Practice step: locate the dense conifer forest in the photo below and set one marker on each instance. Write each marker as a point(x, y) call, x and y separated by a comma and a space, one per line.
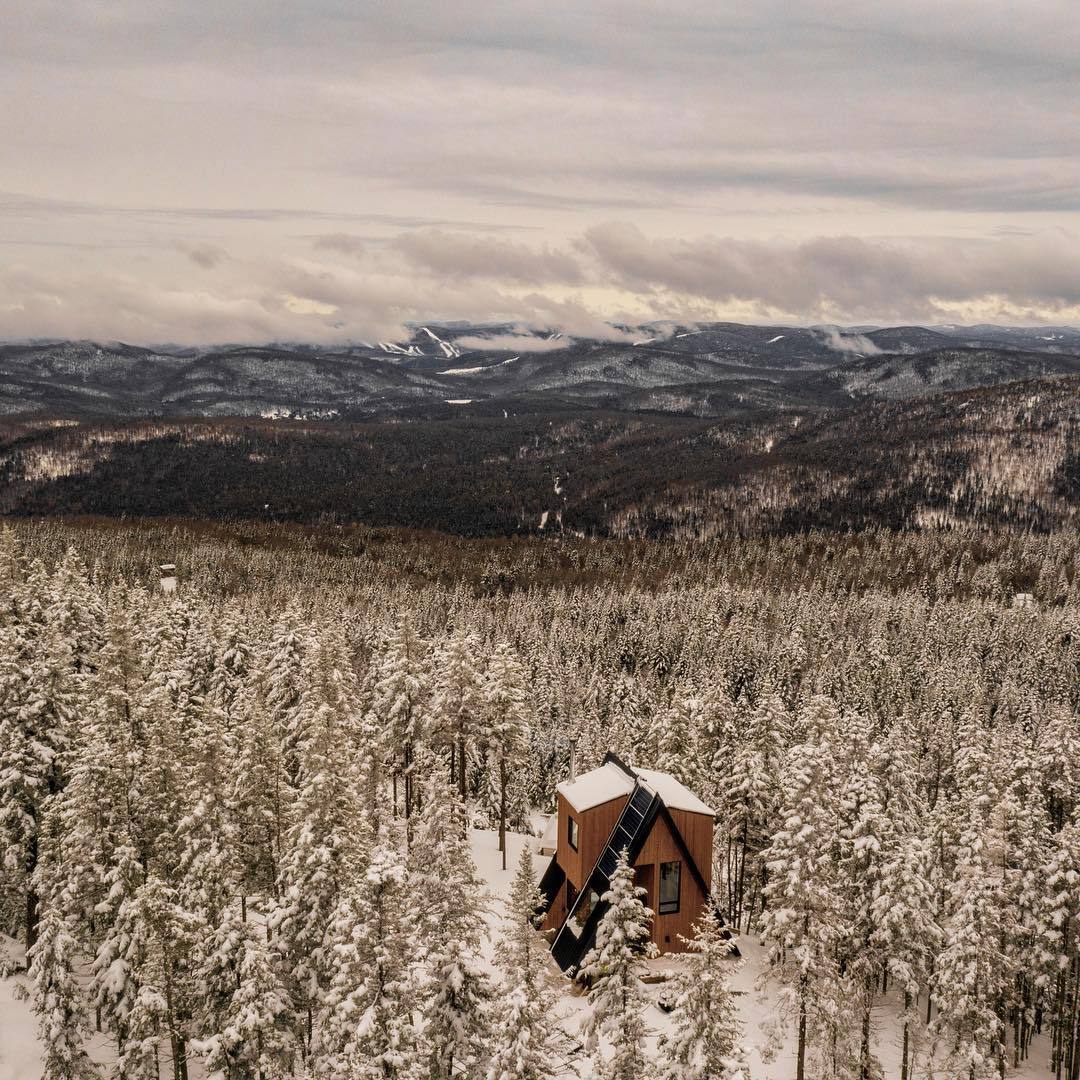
point(998, 455)
point(233, 817)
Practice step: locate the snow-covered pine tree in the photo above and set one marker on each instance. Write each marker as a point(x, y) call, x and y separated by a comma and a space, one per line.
point(455, 990)
point(612, 970)
point(506, 734)
point(323, 848)
point(367, 1027)
point(457, 702)
point(57, 998)
point(280, 674)
point(972, 972)
point(260, 796)
point(458, 1011)
point(442, 874)
point(527, 1039)
point(254, 1035)
point(1059, 949)
point(745, 782)
point(864, 834)
point(400, 703)
point(676, 731)
point(802, 920)
point(143, 974)
point(705, 1042)
point(38, 706)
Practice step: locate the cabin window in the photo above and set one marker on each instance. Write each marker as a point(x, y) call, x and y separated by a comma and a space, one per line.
point(670, 880)
point(572, 833)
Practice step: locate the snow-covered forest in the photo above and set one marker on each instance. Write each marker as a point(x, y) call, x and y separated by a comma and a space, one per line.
point(235, 819)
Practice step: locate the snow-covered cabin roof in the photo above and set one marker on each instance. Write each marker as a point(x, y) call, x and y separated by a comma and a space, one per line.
point(596, 786)
point(676, 796)
point(611, 781)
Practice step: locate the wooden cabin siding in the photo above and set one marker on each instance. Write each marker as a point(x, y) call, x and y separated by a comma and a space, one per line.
point(595, 827)
point(697, 832)
point(660, 847)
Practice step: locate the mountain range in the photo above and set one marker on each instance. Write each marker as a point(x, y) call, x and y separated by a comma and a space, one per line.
point(696, 431)
point(715, 370)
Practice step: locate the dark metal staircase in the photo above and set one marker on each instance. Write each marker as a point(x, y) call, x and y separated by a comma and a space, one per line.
point(578, 933)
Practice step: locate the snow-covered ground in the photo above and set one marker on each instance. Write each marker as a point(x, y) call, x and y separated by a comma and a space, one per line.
point(756, 1004)
point(20, 1050)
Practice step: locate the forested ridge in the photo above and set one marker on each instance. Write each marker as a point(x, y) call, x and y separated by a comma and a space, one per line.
point(995, 456)
point(232, 817)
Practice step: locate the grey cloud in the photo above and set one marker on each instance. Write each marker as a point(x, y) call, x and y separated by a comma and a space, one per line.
point(524, 343)
point(205, 255)
point(626, 277)
point(846, 276)
point(455, 256)
point(848, 343)
point(759, 151)
point(342, 243)
point(18, 204)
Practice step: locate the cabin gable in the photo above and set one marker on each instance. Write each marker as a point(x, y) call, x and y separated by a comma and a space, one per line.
point(662, 848)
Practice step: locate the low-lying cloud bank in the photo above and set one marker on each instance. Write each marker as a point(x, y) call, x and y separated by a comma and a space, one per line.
point(337, 288)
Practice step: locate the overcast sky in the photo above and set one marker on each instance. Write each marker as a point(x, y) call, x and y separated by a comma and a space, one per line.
point(330, 169)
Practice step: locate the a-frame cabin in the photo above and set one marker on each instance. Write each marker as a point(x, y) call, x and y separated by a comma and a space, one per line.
point(667, 832)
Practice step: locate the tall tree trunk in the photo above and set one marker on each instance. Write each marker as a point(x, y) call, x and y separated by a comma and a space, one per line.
point(904, 1047)
point(181, 1057)
point(31, 917)
point(800, 1067)
point(502, 810)
point(461, 767)
point(864, 1042)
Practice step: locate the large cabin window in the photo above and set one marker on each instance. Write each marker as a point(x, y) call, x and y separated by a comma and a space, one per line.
point(572, 833)
point(670, 880)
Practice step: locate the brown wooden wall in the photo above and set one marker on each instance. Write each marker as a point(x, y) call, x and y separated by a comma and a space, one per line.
point(661, 846)
point(697, 832)
point(595, 827)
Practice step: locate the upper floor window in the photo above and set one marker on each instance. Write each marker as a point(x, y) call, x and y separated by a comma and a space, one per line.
point(670, 882)
point(572, 833)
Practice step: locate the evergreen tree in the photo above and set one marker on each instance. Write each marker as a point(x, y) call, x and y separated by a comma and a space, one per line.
point(527, 1038)
point(58, 1000)
point(802, 921)
point(253, 1037)
point(368, 1028)
point(401, 704)
point(324, 844)
point(458, 702)
point(612, 970)
point(506, 732)
point(448, 929)
point(705, 1041)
